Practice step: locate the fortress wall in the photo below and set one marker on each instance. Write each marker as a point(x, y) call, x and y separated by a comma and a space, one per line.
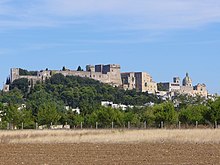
point(114, 73)
point(104, 78)
point(32, 79)
point(109, 74)
point(72, 73)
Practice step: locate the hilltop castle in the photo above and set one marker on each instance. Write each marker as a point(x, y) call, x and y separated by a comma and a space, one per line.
point(111, 74)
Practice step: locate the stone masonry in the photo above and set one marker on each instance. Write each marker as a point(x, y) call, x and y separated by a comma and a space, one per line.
point(109, 74)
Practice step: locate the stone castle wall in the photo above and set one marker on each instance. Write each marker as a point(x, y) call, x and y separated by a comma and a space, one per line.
point(141, 81)
point(109, 74)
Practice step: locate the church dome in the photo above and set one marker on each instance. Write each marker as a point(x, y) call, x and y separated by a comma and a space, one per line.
point(187, 81)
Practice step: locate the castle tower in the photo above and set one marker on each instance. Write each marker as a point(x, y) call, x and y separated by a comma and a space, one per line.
point(176, 80)
point(14, 74)
point(114, 72)
point(99, 68)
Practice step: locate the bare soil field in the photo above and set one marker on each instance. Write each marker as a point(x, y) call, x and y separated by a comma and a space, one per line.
point(110, 147)
point(88, 153)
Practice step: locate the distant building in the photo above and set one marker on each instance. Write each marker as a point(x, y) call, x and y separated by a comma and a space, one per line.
point(128, 80)
point(109, 74)
point(187, 87)
point(140, 81)
point(201, 90)
point(116, 106)
point(76, 110)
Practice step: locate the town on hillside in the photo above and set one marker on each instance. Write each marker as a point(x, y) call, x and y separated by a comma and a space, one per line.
point(111, 74)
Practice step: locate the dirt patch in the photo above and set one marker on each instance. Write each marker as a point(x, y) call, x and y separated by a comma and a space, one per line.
point(86, 153)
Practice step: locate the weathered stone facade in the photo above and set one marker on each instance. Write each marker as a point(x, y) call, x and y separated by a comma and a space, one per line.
point(186, 88)
point(141, 81)
point(200, 89)
point(109, 74)
point(16, 75)
point(128, 80)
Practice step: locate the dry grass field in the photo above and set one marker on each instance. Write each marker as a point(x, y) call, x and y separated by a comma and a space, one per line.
point(110, 147)
point(111, 136)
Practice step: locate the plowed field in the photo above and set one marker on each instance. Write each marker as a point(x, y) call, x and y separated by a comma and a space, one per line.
point(147, 147)
point(87, 153)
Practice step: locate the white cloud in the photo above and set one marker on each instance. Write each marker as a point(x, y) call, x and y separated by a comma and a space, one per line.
point(131, 14)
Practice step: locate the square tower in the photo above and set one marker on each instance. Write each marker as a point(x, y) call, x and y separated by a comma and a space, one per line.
point(98, 68)
point(176, 80)
point(14, 74)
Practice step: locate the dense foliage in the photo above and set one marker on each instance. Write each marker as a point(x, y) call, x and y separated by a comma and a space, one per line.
point(23, 72)
point(52, 101)
point(160, 87)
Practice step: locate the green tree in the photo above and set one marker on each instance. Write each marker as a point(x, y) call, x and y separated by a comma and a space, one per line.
point(64, 68)
point(24, 72)
point(27, 119)
point(12, 115)
point(166, 113)
point(213, 113)
point(77, 120)
point(58, 79)
point(193, 113)
point(8, 81)
point(79, 68)
point(48, 113)
point(148, 116)
point(105, 116)
point(161, 87)
point(21, 84)
point(13, 97)
point(132, 118)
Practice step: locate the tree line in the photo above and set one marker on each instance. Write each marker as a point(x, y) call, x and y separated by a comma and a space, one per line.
point(47, 103)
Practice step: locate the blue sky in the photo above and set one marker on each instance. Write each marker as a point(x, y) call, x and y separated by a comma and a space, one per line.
point(165, 38)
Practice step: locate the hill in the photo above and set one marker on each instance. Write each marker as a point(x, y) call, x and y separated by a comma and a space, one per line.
point(55, 101)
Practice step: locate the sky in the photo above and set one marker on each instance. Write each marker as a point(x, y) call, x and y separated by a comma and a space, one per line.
point(165, 38)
